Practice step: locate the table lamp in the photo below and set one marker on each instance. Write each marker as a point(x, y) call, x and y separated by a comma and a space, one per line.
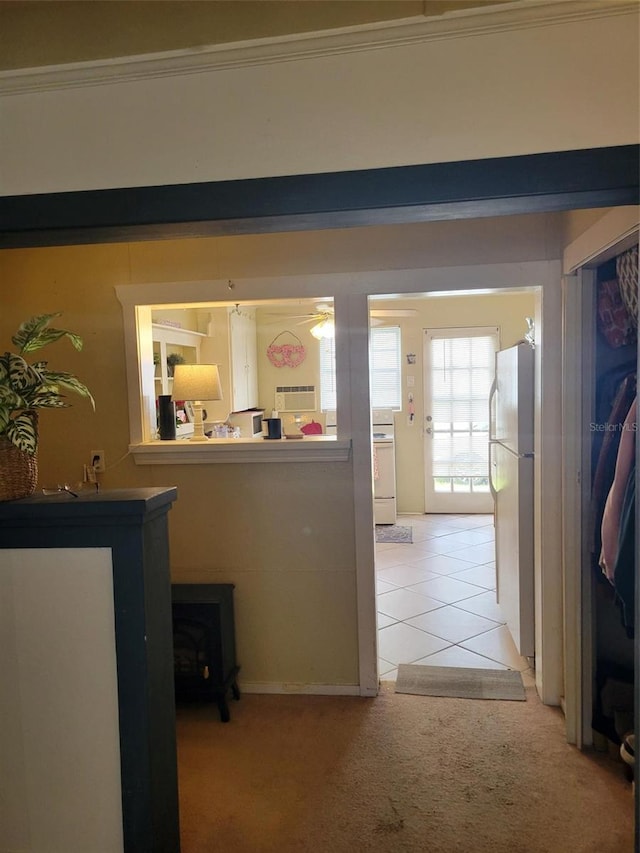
point(196, 382)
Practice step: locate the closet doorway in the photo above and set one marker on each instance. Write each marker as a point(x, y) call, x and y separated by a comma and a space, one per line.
point(599, 359)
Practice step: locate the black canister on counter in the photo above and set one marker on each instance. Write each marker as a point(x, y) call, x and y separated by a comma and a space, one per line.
point(166, 417)
point(274, 427)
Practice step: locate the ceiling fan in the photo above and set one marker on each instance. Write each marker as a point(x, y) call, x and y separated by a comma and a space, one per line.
point(323, 318)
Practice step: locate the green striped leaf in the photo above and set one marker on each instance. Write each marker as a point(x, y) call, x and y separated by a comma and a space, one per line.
point(35, 334)
point(21, 431)
point(66, 380)
point(46, 399)
point(21, 375)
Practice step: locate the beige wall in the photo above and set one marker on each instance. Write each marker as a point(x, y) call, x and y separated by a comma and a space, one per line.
point(37, 33)
point(284, 331)
point(510, 89)
point(284, 536)
point(506, 311)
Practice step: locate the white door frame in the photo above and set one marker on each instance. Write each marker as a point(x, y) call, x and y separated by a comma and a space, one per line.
point(577, 413)
point(545, 276)
point(616, 231)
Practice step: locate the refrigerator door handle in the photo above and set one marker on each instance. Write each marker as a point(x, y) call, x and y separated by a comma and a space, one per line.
point(492, 488)
point(492, 394)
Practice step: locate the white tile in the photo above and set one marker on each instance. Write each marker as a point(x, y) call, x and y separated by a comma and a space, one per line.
point(477, 553)
point(484, 576)
point(440, 528)
point(451, 623)
point(421, 534)
point(384, 546)
point(444, 589)
point(404, 603)
point(498, 646)
point(448, 542)
point(457, 656)
point(387, 669)
point(440, 545)
point(404, 575)
point(477, 521)
point(383, 586)
point(384, 621)
point(424, 548)
point(484, 605)
point(474, 536)
point(440, 564)
point(402, 643)
point(392, 556)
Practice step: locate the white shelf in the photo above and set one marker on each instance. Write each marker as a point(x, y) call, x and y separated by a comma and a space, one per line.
point(174, 335)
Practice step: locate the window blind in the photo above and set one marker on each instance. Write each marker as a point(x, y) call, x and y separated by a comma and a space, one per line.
point(384, 365)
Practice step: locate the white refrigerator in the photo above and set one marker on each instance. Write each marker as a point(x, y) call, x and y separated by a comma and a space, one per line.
point(511, 461)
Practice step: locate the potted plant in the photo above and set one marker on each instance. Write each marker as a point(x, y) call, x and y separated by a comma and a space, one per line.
point(173, 359)
point(25, 388)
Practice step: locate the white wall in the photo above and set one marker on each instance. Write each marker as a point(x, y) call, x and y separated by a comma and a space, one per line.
point(481, 91)
point(59, 739)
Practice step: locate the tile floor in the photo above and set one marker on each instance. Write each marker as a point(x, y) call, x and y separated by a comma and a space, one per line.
point(436, 598)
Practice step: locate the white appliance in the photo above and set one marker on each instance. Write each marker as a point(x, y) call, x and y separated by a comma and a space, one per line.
point(384, 466)
point(249, 422)
point(511, 406)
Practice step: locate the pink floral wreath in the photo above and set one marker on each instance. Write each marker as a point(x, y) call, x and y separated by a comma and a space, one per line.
point(286, 355)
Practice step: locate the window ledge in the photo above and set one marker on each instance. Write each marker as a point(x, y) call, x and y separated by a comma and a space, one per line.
point(183, 452)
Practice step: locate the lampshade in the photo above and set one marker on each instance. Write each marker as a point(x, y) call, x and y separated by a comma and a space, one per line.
point(324, 329)
point(196, 382)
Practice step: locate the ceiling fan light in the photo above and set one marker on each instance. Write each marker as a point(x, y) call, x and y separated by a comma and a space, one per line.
point(324, 329)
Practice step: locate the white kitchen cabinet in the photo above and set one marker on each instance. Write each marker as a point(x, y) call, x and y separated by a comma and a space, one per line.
point(243, 358)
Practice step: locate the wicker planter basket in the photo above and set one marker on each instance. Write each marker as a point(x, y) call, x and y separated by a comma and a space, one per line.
point(18, 472)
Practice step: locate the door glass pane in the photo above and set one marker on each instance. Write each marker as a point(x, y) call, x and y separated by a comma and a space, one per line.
point(442, 484)
point(462, 373)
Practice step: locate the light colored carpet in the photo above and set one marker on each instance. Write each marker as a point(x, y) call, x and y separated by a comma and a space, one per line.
point(459, 682)
point(394, 533)
point(395, 774)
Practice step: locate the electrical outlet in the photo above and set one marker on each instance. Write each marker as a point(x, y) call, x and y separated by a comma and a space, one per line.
point(97, 461)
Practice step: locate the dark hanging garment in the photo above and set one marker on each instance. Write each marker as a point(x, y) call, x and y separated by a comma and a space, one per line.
point(611, 517)
point(625, 563)
point(609, 427)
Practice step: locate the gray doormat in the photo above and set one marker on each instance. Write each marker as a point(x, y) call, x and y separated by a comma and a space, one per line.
point(394, 533)
point(459, 682)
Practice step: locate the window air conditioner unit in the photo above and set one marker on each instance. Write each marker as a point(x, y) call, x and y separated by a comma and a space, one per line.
point(295, 398)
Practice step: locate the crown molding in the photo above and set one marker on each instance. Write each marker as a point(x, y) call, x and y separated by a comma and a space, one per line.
point(481, 21)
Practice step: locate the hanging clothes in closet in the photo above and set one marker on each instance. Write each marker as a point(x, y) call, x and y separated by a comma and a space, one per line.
point(617, 555)
point(613, 496)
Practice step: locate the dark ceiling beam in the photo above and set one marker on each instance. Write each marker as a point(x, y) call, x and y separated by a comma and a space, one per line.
point(596, 177)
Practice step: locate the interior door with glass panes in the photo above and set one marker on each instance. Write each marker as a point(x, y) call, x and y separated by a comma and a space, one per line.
point(459, 366)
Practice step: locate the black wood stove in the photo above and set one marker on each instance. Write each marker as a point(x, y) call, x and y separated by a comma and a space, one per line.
point(204, 653)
